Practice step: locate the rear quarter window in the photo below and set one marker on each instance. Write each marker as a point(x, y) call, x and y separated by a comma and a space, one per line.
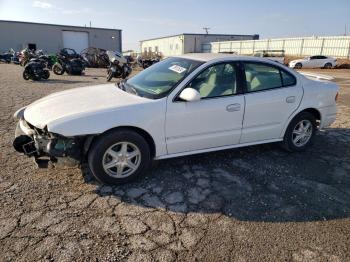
point(288, 79)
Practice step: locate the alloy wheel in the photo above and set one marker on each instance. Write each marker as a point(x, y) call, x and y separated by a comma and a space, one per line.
point(302, 133)
point(121, 159)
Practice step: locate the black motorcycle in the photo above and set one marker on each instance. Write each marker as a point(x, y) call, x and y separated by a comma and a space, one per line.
point(47, 60)
point(118, 66)
point(6, 57)
point(36, 69)
point(146, 62)
point(68, 61)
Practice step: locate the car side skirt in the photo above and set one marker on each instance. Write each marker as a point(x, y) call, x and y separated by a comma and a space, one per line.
point(217, 149)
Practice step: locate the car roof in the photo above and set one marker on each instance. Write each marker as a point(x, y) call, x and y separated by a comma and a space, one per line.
point(207, 57)
point(214, 57)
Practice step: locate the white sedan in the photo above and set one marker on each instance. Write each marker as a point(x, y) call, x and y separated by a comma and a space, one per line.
point(183, 105)
point(317, 61)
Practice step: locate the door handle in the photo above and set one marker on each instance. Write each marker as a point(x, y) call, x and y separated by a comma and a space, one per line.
point(233, 107)
point(290, 99)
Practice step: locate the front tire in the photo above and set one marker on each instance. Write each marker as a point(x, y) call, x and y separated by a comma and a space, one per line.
point(26, 75)
point(300, 132)
point(24, 62)
point(109, 75)
point(298, 66)
point(118, 157)
point(58, 69)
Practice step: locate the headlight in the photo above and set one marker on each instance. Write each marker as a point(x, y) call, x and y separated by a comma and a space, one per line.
point(19, 113)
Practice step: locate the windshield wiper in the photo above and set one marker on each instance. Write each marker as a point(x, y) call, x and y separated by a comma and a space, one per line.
point(121, 85)
point(133, 90)
point(127, 87)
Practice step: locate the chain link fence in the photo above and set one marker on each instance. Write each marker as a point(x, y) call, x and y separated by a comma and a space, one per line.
point(337, 46)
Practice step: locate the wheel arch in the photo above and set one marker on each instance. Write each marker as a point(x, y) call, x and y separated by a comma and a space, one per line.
point(149, 139)
point(315, 112)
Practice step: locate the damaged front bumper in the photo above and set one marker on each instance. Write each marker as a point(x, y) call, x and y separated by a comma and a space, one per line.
point(46, 147)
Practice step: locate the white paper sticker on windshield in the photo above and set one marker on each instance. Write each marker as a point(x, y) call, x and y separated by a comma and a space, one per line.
point(177, 69)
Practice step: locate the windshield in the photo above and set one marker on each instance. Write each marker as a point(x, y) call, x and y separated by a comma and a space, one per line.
point(70, 51)
point(158, 80)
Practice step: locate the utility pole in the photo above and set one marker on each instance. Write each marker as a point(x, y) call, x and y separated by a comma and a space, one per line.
point(206, 29)
point(345, 33)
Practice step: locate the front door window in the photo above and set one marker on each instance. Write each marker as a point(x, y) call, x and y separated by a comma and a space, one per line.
point(215, 81)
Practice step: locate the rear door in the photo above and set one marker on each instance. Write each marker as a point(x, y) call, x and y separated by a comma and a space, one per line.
point(272, 94)
point(310, 63)
point(322, 60)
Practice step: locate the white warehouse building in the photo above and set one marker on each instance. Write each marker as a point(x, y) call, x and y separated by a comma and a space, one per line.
point(186, 43)
point(51, 38)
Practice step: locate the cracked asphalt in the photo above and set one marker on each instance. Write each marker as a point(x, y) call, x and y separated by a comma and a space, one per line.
point(257, 203)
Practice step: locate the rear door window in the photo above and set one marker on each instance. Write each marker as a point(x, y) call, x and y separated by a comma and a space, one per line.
point(261, 77)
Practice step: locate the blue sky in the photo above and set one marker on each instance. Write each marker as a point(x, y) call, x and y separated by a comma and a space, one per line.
point(141, 19)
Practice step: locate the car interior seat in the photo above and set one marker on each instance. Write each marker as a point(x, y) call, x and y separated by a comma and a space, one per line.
point(207, 86)
point(257, 81)
point(252, 81)
point(218, 84)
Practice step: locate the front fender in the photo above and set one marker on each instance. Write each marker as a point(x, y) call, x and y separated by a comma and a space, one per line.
point(99, 122)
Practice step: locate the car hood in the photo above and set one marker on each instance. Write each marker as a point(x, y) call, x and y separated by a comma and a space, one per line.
point(77, 102)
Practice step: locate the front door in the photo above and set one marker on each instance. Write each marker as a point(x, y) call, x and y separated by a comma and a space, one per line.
point(213, 121)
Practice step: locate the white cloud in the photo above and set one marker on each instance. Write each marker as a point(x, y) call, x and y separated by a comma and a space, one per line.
point(78, 11)
point(167, 22)
point(42, 4)
point(46, 5)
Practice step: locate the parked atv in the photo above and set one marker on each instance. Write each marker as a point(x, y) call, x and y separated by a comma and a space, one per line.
point(15, 56)
point(6, 57)
point(118, 67)
point(95, 57)
point(68, 61)
point(146, 62)
point(25, 56)
point(35, 70)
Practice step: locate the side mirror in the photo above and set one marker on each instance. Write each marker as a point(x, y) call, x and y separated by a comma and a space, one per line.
point(190, 95)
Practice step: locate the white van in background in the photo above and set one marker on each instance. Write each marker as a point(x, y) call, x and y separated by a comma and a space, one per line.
point(274, 55)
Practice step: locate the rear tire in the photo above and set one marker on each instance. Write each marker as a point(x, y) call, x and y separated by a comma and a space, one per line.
point(118, 157)
point(328, 66)
point(46, 74)
point(298, 137)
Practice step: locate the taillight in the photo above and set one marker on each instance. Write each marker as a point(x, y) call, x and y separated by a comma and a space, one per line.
point(336, 97)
